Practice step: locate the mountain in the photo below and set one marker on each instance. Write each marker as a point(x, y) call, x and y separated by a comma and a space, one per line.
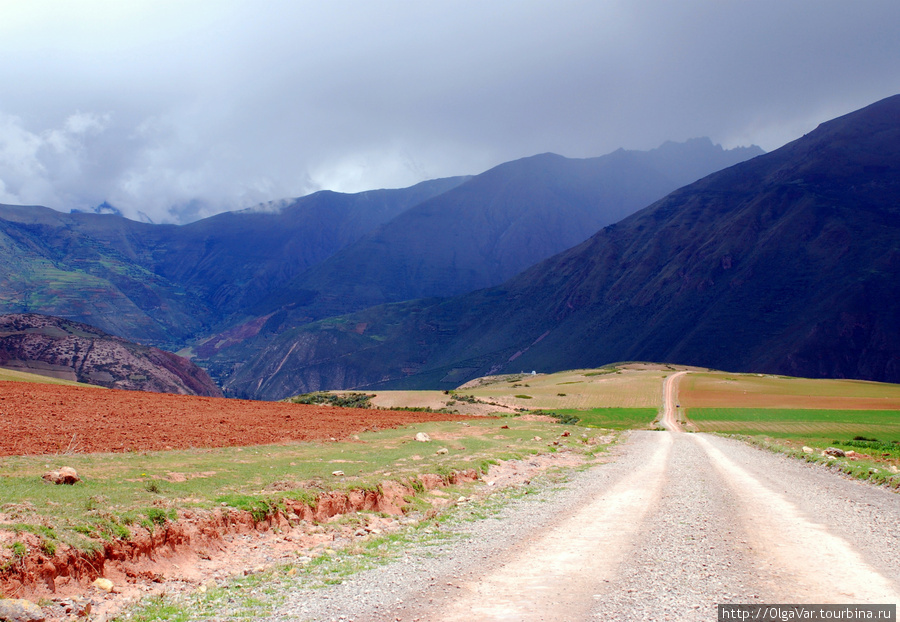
point(165, 284)
point(787, 263)
point(63, 349)
point(495, 225)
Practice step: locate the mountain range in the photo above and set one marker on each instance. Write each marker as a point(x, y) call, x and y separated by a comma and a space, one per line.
point(221, 289)
point(787, 263)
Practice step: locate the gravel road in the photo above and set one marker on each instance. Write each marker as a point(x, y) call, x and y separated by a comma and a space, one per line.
point(674, 525)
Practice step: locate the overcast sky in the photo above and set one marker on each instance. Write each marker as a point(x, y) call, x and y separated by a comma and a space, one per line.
point(181, 109)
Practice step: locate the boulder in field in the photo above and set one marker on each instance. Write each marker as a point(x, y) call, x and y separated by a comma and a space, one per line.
point(64, 475)
point(20, 610)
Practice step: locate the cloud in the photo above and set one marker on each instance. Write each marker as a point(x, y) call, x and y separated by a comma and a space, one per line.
point(180, 110)
point(45, 167)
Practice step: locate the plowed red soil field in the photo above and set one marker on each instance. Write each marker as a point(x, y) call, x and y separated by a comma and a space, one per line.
point(48, 419)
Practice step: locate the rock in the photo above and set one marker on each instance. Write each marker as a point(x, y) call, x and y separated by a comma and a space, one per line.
point(536, 438)
point(423, 438)
point(850, 454)
point(20, 610)
point(338, 473)
point(65, 475)
point(834, 451)
point(103, 584)
point(808, 450)
point(566, 433)
point(442, 451)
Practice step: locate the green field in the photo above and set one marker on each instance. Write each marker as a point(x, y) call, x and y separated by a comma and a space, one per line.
point(865, 431)
point(612, 418)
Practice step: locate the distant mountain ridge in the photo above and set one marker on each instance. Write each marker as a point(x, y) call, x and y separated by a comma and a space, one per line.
point(787, 263)
point(165, 284)
point(497, 224)
point(72, 351)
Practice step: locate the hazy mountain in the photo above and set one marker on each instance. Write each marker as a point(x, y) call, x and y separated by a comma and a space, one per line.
point(164, 284)
point(495, 225)
point(63, 349)
point(788, 263)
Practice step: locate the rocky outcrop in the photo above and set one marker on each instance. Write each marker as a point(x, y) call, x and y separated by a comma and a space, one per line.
point(60, 348)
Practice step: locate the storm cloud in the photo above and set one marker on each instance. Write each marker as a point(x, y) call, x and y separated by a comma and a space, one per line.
point(177, 110)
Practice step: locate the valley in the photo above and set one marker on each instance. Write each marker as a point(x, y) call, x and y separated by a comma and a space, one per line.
point(430, 311)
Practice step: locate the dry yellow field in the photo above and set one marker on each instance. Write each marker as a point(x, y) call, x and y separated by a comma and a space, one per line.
point(579, 389)
point(726, 390)
point(627, 385)
point(21, 376)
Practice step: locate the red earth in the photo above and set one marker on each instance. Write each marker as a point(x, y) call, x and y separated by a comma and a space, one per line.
point(49, 419)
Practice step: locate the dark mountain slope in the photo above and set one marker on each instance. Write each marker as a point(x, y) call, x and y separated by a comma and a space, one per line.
point(63, 349)
point(164, 283)
point(499, 223)
point(787, 263)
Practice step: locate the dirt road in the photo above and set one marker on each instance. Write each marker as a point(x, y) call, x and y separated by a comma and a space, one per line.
point(670, 402)
point(676, 524)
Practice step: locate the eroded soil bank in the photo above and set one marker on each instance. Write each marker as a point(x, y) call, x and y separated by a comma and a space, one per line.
point(205, 545)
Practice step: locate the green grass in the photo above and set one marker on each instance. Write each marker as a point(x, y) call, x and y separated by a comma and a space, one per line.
point(121, 492)
point(612, 418)
point(808, 423)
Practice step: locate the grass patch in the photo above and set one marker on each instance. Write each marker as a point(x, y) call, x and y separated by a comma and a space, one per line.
point(344, 400)
point(122, 492)
point(612, 418)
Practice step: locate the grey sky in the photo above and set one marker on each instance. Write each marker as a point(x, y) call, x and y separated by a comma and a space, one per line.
point(180, 109)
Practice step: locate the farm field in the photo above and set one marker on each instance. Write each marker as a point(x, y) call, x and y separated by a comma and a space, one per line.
point(44, 418)
point(623, 385)
point(727, 390)
point(807, 423)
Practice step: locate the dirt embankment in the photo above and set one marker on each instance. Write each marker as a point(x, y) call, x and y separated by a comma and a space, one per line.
point(46, 419)
point(199, 544)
